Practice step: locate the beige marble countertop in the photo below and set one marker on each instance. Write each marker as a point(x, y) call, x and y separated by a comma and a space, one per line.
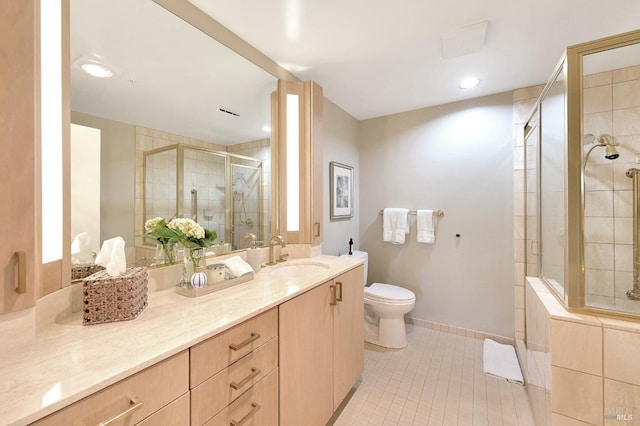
point(47, 364)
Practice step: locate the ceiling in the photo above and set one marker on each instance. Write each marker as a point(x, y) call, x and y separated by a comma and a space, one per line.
point(168, 75)
point(372, 57)
point(380, 57)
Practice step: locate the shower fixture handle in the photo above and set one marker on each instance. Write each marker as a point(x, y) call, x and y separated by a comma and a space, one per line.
point(634, 293)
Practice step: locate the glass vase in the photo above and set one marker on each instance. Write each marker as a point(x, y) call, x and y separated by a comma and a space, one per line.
point(169, 250)
point(196, 260)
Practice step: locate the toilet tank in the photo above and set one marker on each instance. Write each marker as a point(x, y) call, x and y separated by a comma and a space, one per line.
point(360, 255)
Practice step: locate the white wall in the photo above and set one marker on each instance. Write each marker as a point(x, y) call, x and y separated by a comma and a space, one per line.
point(85, 183)
point(341, 145)
point(117, 180)
point(459, 158)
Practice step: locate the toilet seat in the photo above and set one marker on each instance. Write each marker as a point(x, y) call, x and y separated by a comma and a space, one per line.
point(389, 294)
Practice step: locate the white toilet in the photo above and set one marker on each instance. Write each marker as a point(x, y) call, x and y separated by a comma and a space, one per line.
point(384, 308)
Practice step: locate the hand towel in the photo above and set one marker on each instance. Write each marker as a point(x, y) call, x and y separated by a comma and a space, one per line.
point(112, 256)
point(395, 225)
point(424, 223)
point(237, 266)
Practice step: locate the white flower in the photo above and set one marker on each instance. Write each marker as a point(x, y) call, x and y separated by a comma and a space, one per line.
point(188, 228)
point(154, 224)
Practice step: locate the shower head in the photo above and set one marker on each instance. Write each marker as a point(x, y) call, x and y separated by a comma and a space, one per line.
point(605, 140)
point(611, 153)
point(609, 143)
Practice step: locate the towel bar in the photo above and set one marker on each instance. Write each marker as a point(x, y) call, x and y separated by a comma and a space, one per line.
point(413, 212)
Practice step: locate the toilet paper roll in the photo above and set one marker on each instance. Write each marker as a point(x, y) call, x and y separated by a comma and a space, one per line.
point(254, 259)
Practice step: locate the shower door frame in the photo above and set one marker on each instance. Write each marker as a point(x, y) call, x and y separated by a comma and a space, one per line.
point(574, 294)
point(179, 207)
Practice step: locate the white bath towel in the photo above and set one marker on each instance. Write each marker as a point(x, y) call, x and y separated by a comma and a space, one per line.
point(395, 225)
point(501, 361)
point(424, 223)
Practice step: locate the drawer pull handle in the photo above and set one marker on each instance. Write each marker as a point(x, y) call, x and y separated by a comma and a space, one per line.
point(255, 372)
point(316, 229)
point(22, 272)
point(254, 409)
point(339, 286)
point(253, 338)
point(333, 295)
point(134, 405)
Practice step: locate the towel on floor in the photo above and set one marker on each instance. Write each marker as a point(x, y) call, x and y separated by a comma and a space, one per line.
point(395, 225)
point(424, 223)
point(501, 361)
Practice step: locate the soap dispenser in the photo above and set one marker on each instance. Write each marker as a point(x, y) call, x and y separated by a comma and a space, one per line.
point(253, 253)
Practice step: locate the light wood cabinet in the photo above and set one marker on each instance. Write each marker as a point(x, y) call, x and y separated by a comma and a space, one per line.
point(257, 407)
point(228, 367)
point(299, 178)
point(143, 394)
point(348, 333)
point(174, 414)
point(321, 349)
point(18, 143)
point(216, 393)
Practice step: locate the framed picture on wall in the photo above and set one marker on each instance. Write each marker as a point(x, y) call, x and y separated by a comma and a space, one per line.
point(341, 191)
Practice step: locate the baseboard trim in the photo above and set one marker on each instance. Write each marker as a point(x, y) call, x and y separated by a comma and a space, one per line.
point(459, 331)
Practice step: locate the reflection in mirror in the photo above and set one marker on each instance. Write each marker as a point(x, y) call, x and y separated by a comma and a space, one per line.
point(170, 85)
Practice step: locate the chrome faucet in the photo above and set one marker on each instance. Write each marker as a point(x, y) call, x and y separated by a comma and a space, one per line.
point(251, 238)
point(276, 239)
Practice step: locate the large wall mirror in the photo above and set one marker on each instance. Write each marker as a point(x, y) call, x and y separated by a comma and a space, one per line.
point(177, 129)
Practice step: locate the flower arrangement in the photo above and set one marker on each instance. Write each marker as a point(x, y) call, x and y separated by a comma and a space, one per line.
point(185, 231)
point(193, 237)
point(157, 229)
point(191, 234)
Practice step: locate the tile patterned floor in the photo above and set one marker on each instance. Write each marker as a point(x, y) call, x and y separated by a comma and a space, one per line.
point(435, 381)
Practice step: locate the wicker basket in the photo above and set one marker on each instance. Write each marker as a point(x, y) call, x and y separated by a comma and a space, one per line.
point(109, 299)
point(81, 271)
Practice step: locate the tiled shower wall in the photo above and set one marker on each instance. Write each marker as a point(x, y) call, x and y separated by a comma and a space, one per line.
point(565, 351)
point(612, 106)
point(203, 172)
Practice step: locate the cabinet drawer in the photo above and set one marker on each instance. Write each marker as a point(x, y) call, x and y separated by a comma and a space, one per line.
point(218, 352)
point(208, 398)
point(257, 407)
point(174, 414)
point(154, 387)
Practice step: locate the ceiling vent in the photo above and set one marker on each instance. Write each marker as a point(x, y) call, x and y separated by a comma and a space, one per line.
point(226, 111)
point(463, 41)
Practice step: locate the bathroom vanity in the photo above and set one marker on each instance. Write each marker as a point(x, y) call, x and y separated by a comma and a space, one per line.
point(216, 359)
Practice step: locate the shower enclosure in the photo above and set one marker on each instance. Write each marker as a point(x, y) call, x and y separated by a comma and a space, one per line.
point(220, 190)
point(582, 160)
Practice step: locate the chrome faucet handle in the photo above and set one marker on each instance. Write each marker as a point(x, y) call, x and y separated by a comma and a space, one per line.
point(283, 257)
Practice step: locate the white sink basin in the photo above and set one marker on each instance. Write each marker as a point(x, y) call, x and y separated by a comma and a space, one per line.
point(292, 270)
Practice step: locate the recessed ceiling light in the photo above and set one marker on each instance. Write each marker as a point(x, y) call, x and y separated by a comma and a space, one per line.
point(469, 82)
point(97, 70)
point(266, 129)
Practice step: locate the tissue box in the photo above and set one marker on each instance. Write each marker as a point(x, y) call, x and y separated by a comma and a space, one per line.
point(81, 271)
point(110, 299)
